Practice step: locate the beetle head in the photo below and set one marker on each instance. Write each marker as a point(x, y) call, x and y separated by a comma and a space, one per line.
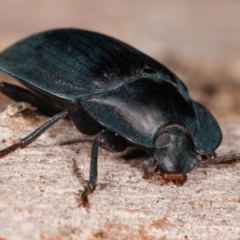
point(174, 151)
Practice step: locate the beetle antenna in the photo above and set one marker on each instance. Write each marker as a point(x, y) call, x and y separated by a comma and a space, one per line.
point(221, 159)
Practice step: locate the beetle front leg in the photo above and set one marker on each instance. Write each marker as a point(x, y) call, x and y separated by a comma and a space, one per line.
point(110, 141)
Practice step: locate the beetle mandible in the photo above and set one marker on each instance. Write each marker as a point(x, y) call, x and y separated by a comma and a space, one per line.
point(113, 91)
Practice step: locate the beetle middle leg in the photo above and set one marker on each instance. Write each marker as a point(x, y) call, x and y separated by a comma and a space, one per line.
point(109, 141)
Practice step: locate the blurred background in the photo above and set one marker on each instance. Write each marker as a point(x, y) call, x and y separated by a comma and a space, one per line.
point(197, 40)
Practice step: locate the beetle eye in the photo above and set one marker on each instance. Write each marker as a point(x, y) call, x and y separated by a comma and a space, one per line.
point(162, 140)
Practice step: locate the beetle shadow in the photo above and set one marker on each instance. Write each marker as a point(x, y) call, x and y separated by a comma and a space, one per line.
point(134, 153)
point(130, 155)
point(133, 156)
point(76, 141)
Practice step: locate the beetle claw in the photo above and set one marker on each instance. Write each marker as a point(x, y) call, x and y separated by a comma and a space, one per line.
point(9, 149)
point(83, 199)
point(147, 175)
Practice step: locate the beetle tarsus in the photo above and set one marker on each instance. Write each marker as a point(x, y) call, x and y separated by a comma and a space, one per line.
point(9, 149)
point(84, 196)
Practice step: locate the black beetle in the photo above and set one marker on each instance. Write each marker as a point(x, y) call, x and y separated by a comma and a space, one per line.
point(113, 91)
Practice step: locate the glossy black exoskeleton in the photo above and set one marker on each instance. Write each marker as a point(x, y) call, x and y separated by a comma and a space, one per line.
point(113, 91)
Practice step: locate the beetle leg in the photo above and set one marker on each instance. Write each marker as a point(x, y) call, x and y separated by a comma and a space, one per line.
point(17, 93)
point(109, 141)
point(20, 94)
point(146, 165)
point(35, 134)
point(84, 122)
point(209, 156)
